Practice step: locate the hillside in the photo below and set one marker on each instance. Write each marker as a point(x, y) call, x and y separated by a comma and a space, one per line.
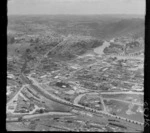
point(74, 46)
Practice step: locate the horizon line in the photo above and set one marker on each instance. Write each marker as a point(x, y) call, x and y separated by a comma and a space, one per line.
point(79, 14)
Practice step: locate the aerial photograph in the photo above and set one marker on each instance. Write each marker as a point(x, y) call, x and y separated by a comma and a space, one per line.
point(75, 65)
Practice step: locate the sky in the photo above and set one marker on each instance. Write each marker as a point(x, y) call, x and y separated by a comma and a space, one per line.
point(31, 7)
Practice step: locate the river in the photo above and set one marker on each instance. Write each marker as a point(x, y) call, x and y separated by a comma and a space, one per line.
point(99, 50)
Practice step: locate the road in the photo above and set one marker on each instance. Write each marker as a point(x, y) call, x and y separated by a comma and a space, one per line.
point(128, 92)
point(78, 98)
point(17, 93)
point(101, 98)
point(48, 52)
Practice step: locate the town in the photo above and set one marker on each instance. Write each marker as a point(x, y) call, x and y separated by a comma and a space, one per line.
point(99, 84)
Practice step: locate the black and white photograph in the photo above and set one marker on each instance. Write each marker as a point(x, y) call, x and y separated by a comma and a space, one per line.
point(75, 65)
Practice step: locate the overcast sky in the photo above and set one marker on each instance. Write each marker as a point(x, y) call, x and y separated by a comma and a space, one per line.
point(76, 7)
